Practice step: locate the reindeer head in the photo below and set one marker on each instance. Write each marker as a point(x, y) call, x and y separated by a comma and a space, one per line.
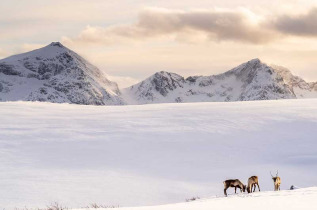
point(277, 181)
point(274, 177)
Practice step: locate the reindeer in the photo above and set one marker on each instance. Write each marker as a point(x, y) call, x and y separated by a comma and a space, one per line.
point(277, 181)
point(233, 183)
point(253, 181)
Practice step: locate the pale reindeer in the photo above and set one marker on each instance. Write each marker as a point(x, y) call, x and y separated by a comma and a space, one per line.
point(236, 183)
point(253, 181)
point(277, 181)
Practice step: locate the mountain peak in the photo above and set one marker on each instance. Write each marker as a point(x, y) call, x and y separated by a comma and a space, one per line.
point(255, 60)
point(166, 74)
point(56, 74)
point(56, 44)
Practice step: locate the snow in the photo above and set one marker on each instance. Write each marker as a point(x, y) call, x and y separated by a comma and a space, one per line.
point(295, 199)
point(249, 81)
point(299, 87)
point(157, 154)
point(55, 74)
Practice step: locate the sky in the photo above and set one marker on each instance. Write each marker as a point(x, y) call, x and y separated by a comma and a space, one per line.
point(132, 39)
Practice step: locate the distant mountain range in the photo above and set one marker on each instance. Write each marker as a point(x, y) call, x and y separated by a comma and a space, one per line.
point(249, 81)
point(56, 74)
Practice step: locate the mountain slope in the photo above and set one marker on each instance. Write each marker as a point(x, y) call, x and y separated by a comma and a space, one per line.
point(252, 80)
point(55, 74)
point(297, 85)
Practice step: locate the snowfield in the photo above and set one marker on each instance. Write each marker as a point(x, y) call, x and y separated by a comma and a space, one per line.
point(296, 199)
point(157, 154)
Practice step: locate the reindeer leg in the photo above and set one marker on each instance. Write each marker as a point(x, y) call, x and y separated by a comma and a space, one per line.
point(259, 187)
point(235, 189)
point(225, 191)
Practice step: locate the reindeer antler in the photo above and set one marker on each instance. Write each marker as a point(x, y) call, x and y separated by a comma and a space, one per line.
point(271, 174)
point(277, 173)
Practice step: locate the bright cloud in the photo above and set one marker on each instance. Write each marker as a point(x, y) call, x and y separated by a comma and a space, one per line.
point(237, 25)
point(240, 25)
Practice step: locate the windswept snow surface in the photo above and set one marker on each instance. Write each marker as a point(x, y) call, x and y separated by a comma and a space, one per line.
point(154, 154)
point(296, 199)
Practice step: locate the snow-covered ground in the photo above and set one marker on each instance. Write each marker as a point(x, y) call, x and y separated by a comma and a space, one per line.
point(155, 154)
point(297, 199)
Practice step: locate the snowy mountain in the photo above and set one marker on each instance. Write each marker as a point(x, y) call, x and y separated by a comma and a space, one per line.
point(55, 74)
point(252, 80)
point(297, 85)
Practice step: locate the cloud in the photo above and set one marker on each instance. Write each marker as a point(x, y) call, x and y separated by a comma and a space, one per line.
point(236, 25)
point(239, 25)
point(300, 25)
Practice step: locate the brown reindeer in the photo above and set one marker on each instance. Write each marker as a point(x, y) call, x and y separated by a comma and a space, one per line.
point(277, 181)
point(233, 183)
point(253, 181)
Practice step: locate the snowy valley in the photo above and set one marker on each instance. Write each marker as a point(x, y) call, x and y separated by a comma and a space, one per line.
point(158, 105)
point(155, 154)
point(163, 152)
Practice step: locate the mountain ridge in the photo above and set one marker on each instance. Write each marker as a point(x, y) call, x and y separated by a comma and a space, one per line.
point(252, 80)
point(55, 73)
